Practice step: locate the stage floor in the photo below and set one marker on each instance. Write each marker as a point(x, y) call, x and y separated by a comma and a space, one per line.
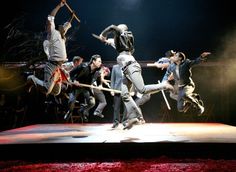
point(99, 141)
point(103, 133)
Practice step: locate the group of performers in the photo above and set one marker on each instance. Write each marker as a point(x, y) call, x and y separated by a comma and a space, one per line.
point(85, 78)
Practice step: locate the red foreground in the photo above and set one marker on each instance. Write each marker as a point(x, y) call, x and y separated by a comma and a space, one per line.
point(162, 164)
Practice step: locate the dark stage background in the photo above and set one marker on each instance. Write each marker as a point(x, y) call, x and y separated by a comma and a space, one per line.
point(158, 25)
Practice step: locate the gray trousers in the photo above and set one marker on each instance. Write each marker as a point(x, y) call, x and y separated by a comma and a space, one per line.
point(117, 105)
point(143, 99)
point(99, 95)
point(51, 83)
point(186, 95)
point(133, 76)
point(174, 93)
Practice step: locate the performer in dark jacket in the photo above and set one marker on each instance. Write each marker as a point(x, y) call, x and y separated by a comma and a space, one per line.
point(181, 70)
point(86, 73)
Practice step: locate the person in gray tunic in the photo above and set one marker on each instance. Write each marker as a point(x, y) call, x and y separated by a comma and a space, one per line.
point(55, 49)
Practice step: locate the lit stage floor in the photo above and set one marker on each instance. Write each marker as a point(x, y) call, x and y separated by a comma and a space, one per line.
point(103, 133)
point(99, 140)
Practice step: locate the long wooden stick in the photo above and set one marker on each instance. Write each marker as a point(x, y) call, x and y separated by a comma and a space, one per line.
point(164, 96)
point(151, 65)
point(111, 43)
point(72, 12)
point(99, 88)
point(97, 37)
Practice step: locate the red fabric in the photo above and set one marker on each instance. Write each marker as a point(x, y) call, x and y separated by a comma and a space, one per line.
point(62, 78)
point(139, 165)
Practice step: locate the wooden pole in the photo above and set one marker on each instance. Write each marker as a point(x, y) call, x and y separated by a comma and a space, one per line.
point(99, 88)
point(72, 12)
point(164, 96)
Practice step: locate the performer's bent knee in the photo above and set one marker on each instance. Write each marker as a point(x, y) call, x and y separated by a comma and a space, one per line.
point(141, 91)
point(125, 97)
point(91, 101)
point(169, 87)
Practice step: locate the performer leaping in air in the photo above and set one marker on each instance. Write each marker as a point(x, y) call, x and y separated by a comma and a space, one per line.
point(181, 71)
point(55, 49)
point(123, 42)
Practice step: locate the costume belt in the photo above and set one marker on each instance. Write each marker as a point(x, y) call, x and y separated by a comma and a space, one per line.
point(127, 64)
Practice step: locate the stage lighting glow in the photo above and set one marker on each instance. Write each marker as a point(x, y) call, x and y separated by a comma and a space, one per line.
point(227, 55)
point(9, 80)
point(130, 4)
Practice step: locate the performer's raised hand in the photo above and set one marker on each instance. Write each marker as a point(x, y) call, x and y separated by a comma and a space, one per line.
point(102, 38)
point(204, 54)
point(109, 41)
point(100, 87)
point(161, 66)
point(171, 77)
point(62, 3)
point(112, 93)
point(76, 83)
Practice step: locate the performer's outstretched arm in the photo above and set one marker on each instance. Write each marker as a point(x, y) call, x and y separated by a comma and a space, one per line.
point(56, 9)
point(110, 29)
point(201, 58)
